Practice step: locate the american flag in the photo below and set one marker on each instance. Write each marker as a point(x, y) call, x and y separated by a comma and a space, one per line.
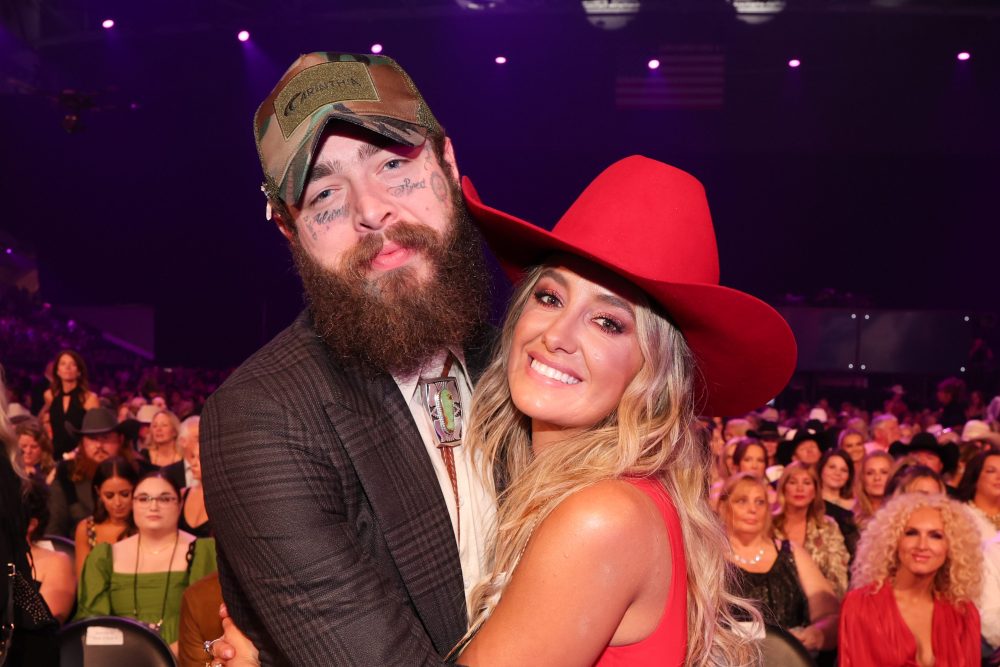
point(689, 77)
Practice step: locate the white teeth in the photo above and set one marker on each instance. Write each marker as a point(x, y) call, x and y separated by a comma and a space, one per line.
point(553, 373)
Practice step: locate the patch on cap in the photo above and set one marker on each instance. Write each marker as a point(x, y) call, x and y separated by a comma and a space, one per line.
point(319, 85)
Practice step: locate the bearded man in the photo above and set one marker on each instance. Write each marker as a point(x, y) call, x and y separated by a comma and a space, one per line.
point(349, 519)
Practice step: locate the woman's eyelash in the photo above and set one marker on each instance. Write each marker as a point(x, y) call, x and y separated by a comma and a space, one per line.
point(546, 297)
point(610, 324)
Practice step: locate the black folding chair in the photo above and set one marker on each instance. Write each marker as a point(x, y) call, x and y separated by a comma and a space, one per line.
point(111, 641)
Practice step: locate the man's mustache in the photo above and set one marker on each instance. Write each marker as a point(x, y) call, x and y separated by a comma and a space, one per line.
point(404, 234)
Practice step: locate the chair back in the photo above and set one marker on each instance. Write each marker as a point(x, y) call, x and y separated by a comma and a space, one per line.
point(781, 649)
point(111, 641)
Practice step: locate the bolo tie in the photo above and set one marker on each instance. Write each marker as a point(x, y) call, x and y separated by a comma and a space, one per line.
point(442, 400)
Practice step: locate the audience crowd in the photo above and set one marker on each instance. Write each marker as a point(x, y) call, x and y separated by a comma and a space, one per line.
point(853, 529)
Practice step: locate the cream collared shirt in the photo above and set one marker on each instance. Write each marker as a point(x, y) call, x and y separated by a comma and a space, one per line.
point(477, 502)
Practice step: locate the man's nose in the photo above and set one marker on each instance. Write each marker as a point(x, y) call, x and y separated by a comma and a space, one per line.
point(375, 208)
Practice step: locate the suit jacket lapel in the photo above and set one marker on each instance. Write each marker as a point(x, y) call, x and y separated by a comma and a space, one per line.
point(377, 431)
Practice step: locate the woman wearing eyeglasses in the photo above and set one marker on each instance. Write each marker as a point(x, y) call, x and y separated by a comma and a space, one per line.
point(144, 576)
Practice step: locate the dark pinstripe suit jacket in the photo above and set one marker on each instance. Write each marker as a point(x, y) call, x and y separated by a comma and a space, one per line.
point(335, 545)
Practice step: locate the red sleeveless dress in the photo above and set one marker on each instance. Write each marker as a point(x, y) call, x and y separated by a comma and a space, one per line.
point(667, 645)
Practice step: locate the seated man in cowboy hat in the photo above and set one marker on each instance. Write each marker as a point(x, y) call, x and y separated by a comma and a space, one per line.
point(98, 438)
point(927, 451)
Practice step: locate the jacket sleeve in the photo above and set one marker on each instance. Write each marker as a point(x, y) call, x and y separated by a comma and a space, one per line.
point(58, 508)
point(275, 499)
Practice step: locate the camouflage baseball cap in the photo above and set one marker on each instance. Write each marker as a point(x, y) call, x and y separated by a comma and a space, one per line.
point(370, 91)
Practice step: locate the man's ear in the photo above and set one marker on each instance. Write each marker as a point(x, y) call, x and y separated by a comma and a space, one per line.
point(449, 159)
point(286, 227)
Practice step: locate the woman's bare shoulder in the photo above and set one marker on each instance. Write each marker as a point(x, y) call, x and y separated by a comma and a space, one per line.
point(605, 513)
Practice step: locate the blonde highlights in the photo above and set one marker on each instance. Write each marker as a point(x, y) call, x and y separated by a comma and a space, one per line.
point(654, 432)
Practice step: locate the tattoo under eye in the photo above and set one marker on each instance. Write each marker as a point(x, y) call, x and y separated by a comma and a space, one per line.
point(326, 217)
point(407, 186)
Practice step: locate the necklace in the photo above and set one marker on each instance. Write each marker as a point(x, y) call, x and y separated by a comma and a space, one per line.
point(992, 518)
point(752, 561)
point(156, 552)
point(155, 627)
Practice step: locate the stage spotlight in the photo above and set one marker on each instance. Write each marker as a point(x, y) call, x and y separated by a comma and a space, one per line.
point(107, 24)
point(376, 48)
point(964, 55)
point(500, 60)
point(243, 35)
point(611, 14)
point(756, 12)
point(478, 5)
point(794, 62)
point(653, 64)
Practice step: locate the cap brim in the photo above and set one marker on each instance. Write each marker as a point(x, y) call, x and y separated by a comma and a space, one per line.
point(745, 351)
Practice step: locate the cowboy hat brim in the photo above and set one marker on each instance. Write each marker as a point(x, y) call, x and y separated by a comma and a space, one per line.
point(744, 349)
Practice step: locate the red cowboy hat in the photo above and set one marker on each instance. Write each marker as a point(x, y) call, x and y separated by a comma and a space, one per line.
point(649, 222)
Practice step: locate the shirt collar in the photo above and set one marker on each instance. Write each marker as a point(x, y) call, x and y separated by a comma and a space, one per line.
point(432, 369)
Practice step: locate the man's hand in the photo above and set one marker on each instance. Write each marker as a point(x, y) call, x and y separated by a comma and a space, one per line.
point(233, 648)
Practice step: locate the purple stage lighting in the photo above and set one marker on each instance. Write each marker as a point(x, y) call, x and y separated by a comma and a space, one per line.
point(794, 62)
point(964, 55)
point(10, 251)
point(653, 64)
point(243, 35)
point(107, 24)
point(500, 60)
point(376, 48)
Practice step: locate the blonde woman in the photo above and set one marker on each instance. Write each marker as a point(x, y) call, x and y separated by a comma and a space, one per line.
point(873, 475)
point(36, 450)
point(590, 409)
point(918, 560)
point(801, 518)
point(161, 447)
point(852, 442)
point(779, 574)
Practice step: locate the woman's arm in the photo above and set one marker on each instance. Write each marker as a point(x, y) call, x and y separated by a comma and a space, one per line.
point(824, 610)
point(58, 589)
point(82, 545)
point(600, 556)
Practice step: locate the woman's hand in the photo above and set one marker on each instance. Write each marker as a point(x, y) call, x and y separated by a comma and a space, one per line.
point(233, 648)
point(810, 636)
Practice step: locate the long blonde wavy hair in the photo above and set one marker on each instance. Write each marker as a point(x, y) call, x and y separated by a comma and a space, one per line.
point(654, 432)
point(959, 579)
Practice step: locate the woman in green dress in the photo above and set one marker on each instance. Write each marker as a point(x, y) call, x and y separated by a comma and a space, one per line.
point(144, 576)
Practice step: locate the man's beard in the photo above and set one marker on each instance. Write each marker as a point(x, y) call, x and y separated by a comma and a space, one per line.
point(397, 321)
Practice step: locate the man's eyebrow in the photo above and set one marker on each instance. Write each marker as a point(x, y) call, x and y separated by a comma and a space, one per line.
point(324, 169)
point(365, 151)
